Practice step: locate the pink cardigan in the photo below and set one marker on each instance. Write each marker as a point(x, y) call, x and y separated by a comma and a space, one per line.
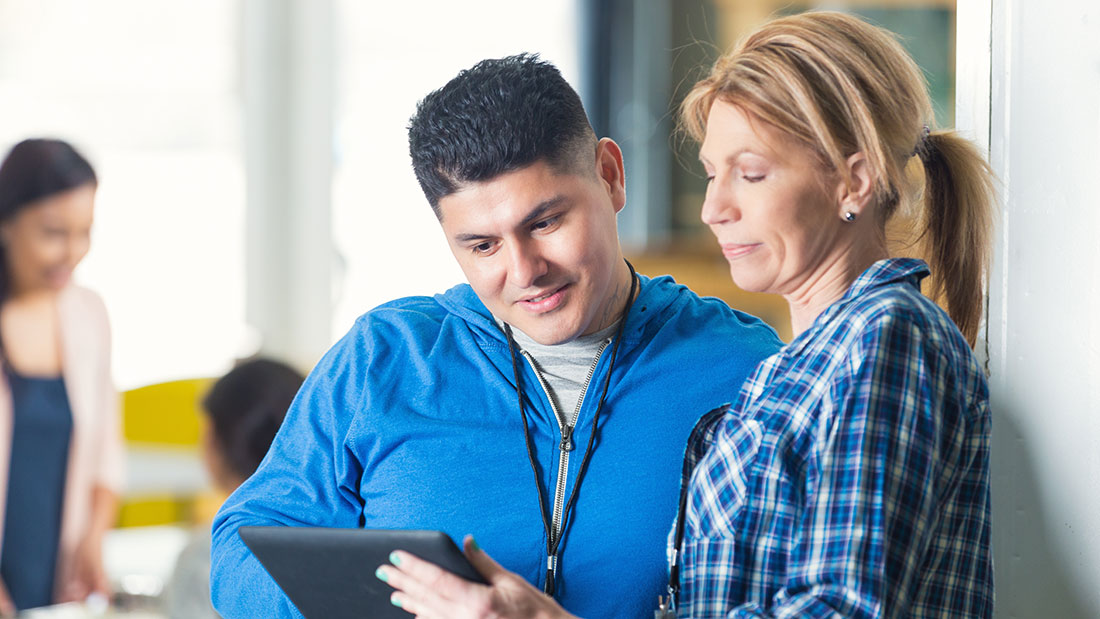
point(95, 449)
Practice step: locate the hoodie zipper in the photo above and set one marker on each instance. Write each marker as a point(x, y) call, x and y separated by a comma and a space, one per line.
point(566, 445)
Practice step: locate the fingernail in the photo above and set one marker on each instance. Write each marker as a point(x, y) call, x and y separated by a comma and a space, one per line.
point(381, 575)
point(473, 544)
point(396, 560)
point(396, 602)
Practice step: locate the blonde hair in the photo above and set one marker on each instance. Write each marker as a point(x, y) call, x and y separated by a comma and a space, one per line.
point(838, 86)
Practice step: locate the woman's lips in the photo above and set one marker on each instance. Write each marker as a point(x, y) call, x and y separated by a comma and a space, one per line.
point(733, 251)
point(544, 302)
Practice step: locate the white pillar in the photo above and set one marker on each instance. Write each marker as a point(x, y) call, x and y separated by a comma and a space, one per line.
point(1029, 91)
point(288, 56)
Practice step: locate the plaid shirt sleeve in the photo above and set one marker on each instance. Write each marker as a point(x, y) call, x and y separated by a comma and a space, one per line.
point(893, 447)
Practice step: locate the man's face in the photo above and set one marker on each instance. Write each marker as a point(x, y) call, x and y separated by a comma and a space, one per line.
point(540, 248)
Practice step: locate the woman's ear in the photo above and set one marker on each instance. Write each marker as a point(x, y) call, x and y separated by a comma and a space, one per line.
point(609, 170)
point(854, 197)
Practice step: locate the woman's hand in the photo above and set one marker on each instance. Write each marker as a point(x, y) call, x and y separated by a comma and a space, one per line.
point(430, 592)
point(7, 606)
point(86, 574)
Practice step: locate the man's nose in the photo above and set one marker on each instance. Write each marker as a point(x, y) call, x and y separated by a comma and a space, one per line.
point(525, 264)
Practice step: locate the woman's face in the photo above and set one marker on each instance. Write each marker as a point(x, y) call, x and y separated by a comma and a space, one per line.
point(45, 241)
point(767, 204)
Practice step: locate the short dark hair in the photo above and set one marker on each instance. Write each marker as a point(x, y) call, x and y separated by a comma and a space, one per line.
point(498, 116)
point(39, 168)
point(246, 408)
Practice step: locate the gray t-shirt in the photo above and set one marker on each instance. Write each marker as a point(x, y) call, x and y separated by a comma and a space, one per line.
point(187, 593)
point(565, 367)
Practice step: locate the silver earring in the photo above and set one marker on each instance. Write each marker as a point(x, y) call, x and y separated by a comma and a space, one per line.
point(849, 216)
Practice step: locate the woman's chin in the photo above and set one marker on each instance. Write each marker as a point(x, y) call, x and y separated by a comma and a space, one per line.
point(749, 282)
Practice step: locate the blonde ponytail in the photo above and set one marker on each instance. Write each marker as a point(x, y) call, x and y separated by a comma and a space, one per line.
point(958, 198)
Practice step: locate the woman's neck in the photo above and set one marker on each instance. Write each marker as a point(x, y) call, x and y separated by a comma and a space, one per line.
point(24, 296)
point(828, 283)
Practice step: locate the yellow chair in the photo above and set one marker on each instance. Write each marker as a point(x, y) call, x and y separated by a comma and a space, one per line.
point(162, 424)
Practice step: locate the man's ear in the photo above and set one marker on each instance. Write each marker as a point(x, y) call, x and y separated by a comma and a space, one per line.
point(609, 170)
point(855, 197)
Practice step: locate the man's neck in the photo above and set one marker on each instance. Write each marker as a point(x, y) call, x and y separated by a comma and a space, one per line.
point(616, 302)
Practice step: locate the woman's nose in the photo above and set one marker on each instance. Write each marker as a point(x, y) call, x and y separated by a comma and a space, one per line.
point(718, 206)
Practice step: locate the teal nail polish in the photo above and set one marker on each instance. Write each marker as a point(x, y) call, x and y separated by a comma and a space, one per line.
point(396, 602)
point(394, 559)
point(381, 575)
point(473, 544)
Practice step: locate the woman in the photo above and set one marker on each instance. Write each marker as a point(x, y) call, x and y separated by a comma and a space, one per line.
point(851, 475)
point(244, 410)
point(60, 440)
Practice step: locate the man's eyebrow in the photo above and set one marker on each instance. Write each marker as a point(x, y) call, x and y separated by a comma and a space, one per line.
point(534, 215)
point(541, 209)
point(468, 238)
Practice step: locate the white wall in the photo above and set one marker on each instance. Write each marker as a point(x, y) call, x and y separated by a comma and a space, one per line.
point(1043, 124)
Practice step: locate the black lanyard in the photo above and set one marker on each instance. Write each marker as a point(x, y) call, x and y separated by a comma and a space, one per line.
point(552, 544)
point(696, 435)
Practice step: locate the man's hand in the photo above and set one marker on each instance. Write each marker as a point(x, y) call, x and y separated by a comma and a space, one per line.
point(430, 592)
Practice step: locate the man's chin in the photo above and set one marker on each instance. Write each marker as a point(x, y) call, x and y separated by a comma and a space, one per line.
point(547, 335)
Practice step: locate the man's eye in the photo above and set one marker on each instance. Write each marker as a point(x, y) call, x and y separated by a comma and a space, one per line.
point(482, 248)
point(544, 224)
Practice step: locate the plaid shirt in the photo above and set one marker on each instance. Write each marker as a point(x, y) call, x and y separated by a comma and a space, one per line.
point(851, 476)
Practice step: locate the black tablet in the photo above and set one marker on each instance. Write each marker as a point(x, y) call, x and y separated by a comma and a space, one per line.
point(329, 573)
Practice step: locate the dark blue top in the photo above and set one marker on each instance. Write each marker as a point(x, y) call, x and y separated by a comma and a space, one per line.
point(42, 425)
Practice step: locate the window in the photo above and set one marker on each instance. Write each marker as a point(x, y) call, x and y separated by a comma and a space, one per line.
point(390, 57)
point(149, 93)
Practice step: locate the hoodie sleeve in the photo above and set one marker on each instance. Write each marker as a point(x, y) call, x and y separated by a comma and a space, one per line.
point(308, 478)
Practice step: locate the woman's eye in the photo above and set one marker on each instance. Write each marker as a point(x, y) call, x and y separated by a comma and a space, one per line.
point(753, 178)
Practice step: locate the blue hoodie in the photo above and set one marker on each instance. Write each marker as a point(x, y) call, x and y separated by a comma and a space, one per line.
point(411, 422)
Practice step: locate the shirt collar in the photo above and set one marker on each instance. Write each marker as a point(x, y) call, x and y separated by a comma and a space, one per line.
point(882, 273)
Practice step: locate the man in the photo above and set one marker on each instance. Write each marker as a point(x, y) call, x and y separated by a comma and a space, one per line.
point(473, 411)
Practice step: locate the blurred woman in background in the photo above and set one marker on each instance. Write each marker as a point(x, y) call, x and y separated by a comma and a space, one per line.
point(61, 454)
point(244, 410)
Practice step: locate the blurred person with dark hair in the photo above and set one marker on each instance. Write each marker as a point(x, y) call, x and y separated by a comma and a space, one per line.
point(244, 410)
point(543, 405)
point(61, 454)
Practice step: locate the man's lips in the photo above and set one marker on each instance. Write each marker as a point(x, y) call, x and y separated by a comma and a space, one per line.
point(543, 301)
point(736, 250)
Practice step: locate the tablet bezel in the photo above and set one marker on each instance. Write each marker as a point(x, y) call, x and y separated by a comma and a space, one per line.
point(329, 573)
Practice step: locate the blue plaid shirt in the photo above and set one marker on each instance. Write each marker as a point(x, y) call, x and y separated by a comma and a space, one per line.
point(851, 476)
